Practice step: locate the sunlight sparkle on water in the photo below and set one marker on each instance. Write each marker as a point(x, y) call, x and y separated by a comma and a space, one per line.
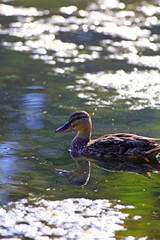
point(8, 10)
point(72, 218)
point(68, 10)
point(149, 10)
point(144, 87)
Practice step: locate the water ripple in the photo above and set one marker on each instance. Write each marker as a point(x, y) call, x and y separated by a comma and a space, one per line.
point(104, 43)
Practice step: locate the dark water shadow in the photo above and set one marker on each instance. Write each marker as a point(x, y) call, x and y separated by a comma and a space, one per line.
point(87, 38)
point(80, 175)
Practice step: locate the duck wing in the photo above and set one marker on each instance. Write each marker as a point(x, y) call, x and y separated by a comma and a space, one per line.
point(124, 139)
point(121, 144)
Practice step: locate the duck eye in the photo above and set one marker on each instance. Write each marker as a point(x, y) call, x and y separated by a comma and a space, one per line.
point(76, 118)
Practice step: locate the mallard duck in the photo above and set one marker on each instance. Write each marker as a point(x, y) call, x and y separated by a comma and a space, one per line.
point(118, 147)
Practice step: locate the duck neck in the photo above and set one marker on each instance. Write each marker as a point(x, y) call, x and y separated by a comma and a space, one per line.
point(81, 139)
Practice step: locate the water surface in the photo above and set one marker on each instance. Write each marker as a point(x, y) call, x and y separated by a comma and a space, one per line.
point(56, 58)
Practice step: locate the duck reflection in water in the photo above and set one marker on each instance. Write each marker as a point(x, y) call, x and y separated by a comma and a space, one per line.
point(122, 151)
point(80, 176)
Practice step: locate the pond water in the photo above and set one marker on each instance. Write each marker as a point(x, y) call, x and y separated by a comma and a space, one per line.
point(57, 57)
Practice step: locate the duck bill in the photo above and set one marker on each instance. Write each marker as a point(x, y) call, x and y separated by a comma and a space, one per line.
point(64, 128)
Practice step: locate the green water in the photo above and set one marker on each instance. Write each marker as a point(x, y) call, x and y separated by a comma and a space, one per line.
point(54, 61)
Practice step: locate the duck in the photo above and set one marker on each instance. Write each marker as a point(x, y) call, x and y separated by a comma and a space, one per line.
point(120, 147)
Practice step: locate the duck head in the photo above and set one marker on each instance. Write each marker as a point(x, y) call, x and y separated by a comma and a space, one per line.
point(79, 120)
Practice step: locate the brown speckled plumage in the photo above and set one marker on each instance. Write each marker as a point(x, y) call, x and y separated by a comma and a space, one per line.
point(117, 147)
